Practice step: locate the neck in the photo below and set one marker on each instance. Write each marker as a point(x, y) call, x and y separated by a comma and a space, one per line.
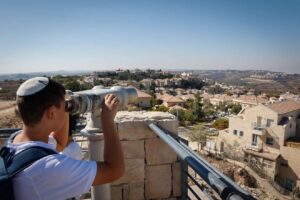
point(36, 133)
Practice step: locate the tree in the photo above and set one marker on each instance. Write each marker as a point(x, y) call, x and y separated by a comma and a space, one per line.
point(236, 108)
point(189, 104)
point(209, 111)
point(188, 116)
point(179, 114)
point(198, 134)
point(197, 108)
point(162, 108)
point(72, 85)
point(216, 90)
point(223, 107)
point(221, 123)
point(153, 100)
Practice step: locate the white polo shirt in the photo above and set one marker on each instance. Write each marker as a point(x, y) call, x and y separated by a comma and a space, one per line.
point(55, 176)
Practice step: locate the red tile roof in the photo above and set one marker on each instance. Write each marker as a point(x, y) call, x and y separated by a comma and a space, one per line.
point(285, 106)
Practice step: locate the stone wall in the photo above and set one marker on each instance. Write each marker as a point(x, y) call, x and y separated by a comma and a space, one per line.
point(152, 168)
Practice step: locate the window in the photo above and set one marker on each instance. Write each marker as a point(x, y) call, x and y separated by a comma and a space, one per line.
point(241, 133)
point(254, 140)
point(234, 132)
point(269, 141)
point(259, 119)
point(290, 125)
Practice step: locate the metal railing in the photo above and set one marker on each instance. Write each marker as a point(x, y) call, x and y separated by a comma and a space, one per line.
point(220, 184)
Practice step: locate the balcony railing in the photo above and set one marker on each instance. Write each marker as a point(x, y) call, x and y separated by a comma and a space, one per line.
point(255, 147)
point(258, 129)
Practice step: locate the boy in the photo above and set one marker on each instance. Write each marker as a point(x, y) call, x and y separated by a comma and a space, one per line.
point(41, 106)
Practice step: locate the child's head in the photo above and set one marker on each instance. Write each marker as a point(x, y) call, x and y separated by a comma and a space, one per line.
point(35, 96)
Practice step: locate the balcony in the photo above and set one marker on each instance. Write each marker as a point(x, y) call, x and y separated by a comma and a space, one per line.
point(255, 147)
point(159, 163)
point(293, 142)
point(258, 129)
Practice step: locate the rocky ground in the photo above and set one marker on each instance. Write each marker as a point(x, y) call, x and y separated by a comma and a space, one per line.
point(8, 119)
point(243, 178)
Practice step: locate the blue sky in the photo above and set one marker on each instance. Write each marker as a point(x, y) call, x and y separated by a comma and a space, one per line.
point(169, 34)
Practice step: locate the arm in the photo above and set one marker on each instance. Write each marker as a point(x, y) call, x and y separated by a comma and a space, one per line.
point(61, 136)
point(113, 166)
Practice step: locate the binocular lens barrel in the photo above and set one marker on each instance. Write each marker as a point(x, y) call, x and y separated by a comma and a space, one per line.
point(89, 100)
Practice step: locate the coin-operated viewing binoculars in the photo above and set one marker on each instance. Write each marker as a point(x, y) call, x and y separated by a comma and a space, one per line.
point(89, 102)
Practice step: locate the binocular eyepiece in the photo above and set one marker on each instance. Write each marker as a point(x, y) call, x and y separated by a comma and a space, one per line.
point(91, 100)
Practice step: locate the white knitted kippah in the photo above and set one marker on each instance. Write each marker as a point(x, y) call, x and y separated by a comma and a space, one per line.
point(32, 86)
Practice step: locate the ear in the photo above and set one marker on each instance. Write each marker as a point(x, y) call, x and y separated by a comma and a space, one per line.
point(50, 112)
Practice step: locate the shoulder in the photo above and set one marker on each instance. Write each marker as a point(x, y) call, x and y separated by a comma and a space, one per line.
point(60, 163)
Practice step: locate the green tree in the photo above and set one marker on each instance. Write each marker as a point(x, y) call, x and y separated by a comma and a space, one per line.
point(153, 100)
point(209, 111)
point(236, 108)
point(223, 107)
point(221, 123)
point(198, 134)
point(180, 115)
point(72, 85)
point(216, 90)
point(189, 104)
point(188, 116)
point(197, 108)
point(162, 108)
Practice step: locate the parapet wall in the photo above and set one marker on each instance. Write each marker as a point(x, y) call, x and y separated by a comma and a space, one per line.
point(152, 168)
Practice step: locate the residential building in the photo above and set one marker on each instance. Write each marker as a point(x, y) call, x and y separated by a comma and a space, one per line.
point(147, 82)
point(267, 137)
point(249, 100)
point(289, 96)
point(220, 98)
point(170, 100)
point(144, 99)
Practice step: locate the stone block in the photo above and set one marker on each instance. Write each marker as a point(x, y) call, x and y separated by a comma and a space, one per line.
point(116, 192)
point(133, 191)
point(176, 179)
point(134, 171)
point(133, 149)
point(158, 182)
point(158, 152)
point(134, 130)
point(169, 125)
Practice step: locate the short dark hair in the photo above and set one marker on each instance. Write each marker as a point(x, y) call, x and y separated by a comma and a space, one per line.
point(31, 108)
